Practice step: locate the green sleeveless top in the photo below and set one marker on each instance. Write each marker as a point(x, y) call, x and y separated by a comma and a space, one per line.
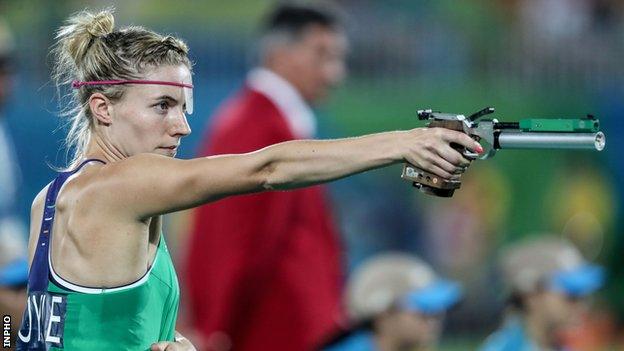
point(65, 316)
point(131, 317)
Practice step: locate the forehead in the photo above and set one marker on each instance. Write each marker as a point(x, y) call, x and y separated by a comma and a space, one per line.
point(322, 35)
point(168, 73)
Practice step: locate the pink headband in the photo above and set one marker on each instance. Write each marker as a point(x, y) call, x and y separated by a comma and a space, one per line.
point(188, 88)
point(77, 84)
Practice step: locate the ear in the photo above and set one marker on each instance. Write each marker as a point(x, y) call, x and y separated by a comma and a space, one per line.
point(279, 55)
point(100, 107)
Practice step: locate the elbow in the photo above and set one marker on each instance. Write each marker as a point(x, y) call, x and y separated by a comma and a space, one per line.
point(271, 178)
point(267, 177)
point(271, 171)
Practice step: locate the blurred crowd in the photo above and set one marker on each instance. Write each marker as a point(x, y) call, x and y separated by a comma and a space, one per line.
point(370, 263)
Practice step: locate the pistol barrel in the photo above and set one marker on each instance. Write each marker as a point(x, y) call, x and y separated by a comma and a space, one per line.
point(531, 140)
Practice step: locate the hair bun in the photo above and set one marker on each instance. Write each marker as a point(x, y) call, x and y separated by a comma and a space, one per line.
point(100, 24)
point(76, 36)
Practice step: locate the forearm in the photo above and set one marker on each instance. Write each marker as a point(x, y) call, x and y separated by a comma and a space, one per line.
point(305, 162)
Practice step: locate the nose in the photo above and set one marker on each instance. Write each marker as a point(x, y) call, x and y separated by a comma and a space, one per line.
point(180, 126)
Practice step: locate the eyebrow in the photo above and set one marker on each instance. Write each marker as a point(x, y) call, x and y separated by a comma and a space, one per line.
point(167, 97)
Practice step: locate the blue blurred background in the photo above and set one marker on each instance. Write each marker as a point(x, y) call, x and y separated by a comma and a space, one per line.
point(527, 58)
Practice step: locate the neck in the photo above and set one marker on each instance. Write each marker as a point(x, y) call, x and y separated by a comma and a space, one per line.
point(100, 149)
point(286, 73)
point(540, 332)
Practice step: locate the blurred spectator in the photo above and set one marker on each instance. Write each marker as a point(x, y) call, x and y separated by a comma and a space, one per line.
point(13, 262)
point(396, 302)
point(272, 280)
point(547, 280)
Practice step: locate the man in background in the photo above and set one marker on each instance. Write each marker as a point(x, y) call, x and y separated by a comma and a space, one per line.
point(264, 271)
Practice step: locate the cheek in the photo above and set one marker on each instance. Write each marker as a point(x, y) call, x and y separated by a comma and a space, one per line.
point(139, 125)
point(310, 67)
point(141, 128)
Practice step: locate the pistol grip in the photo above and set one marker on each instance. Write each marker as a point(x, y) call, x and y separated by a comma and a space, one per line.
point(429, 183)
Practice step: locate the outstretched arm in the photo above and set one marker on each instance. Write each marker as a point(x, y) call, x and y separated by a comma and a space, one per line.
point(302, 163)
point(148, 184)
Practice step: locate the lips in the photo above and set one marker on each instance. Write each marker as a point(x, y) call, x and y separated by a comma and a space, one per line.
point(173, 147)
point(169, 150)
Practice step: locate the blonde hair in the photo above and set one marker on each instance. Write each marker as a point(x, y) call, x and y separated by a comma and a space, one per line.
point(88, 48)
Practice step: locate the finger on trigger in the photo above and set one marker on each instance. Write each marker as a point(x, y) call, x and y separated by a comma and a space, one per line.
point(466, 141)
point(453, 156)
point(462, 160)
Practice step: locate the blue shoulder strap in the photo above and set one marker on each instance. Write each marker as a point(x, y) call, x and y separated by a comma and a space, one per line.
point(39, 269)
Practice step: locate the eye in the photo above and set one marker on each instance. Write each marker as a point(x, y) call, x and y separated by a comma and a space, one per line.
point(162, 106)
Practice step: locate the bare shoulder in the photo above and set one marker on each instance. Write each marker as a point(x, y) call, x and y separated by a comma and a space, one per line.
point(133, 171)
point(120, 187)
point(139, 164)
point(146, 185)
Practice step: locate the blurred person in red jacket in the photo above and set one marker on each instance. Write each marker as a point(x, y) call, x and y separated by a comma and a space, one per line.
point(264, 270)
